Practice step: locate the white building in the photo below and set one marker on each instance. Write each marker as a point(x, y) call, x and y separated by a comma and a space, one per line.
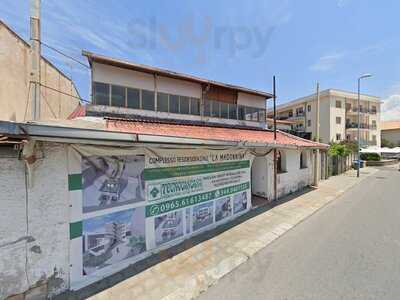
point(174, 121)
point(338, 116)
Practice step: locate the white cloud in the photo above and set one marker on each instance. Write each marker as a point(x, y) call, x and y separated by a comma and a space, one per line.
point(327, 62)
point(391, 108)
point(342, 3)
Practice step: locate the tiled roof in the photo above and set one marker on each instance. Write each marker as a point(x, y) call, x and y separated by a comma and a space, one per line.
point(209, 133)
point(388, 125)
point(194, 130)
point(79, 111)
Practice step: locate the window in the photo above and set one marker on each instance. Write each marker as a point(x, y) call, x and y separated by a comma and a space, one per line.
point(101, 93)
point(241, 112)
point(280, 162)
point(118, 96)
point(303, 160)
point(232, 111)
point(224, 110)
point(262, 115)
point(373, 124)
point(338, 120)
point(338, 104)
point(207, 107)
point(147, 100)
point(338, 136)
point(194, 106)
point(290, 114)
point(309, 107)
point(174, 104)
point(184, 105)
point(299, 112)
point(309, 123)
point(215, 109)
point(374, 138)
point(255, 114)
point(162, 102)
point(133, 98)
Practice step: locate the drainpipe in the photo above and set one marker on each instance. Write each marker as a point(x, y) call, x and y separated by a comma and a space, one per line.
point(275, 151)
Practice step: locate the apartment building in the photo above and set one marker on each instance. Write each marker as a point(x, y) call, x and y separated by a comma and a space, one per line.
point(338, 117)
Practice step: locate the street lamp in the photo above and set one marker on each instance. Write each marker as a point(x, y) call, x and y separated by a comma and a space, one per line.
point(358, 121)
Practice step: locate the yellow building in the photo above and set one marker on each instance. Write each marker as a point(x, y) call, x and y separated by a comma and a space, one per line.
point(15, 98)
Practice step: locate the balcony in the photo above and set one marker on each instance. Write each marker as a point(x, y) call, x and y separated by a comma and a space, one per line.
point(354, 110)
point(355, 126)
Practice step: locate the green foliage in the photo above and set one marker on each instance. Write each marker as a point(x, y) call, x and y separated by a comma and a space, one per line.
point(339, 149)
point(370, 156)
point(386, 143)
point(353, 146)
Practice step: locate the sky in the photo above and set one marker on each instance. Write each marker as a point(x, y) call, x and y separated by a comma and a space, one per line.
point(238, 42)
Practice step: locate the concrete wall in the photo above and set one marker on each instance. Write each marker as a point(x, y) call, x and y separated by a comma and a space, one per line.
point(392, 135)
point(251, 100)
point(293, 179)
point(34, 246)
point(140, 80)
point(15, 99)
point(337, 112)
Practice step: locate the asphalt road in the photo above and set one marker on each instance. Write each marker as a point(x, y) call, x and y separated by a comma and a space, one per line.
point(350, 249)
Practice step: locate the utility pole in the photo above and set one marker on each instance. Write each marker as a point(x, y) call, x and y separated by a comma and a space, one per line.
point(317, 156)
point(358, 119)
point(35, 57)
point(275, 151)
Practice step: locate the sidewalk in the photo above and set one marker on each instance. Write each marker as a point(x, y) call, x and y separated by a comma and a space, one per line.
point(191, 272)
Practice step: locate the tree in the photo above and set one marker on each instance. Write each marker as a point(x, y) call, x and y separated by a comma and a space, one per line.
point(338, 149)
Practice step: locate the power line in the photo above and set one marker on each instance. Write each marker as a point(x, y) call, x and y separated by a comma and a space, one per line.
point(61, 92)
point(66, 55)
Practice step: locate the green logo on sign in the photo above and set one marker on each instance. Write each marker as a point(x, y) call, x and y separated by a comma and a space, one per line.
point(154, 192)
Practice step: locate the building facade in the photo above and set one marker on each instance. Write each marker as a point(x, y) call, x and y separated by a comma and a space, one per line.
point(157, 158)
point(338, 117)
point(128, 88)
point(390, 133)
point(15, 94)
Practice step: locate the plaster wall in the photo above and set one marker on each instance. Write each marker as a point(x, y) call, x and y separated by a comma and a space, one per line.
point(34, 228)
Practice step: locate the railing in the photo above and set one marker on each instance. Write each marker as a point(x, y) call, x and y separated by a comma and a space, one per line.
point(355, 125)
point(362, 110)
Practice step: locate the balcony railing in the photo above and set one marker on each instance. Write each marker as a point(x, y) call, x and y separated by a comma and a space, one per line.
point(355, 125)
point(362, 110)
